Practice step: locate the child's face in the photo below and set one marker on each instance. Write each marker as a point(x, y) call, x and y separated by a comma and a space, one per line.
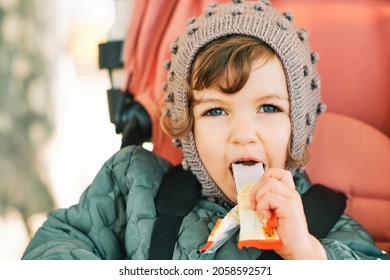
point(250, 125)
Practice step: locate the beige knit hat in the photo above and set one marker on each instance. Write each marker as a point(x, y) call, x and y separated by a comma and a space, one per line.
point(257, 19)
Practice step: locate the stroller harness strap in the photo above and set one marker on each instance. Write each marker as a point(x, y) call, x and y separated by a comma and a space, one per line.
point(180, 190)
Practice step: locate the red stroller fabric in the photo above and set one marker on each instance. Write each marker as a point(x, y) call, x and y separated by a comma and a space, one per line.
point(153, 28)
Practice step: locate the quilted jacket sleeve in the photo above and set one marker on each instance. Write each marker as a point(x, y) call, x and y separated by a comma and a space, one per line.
point(95, 227)
point(349, 241)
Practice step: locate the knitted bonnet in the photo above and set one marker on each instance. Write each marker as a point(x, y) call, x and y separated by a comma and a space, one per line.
point(260, 20)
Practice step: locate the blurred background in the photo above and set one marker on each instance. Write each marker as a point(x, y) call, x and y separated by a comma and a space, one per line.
point(51, 93)
point(55, 129)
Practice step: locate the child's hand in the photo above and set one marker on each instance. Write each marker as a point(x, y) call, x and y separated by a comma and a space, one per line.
point(276, 192)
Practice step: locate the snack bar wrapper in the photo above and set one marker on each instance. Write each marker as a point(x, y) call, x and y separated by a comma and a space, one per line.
point(255, 231)
point(222, 231)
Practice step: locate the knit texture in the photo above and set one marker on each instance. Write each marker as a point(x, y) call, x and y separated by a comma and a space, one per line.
point(260, 20)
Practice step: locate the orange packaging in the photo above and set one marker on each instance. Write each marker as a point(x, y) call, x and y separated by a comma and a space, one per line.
point(222, 231)
point(255, 231)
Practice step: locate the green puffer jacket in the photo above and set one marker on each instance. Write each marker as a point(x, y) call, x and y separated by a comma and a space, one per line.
point(115, 217)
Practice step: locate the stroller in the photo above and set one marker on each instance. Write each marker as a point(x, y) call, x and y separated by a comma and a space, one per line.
point(355, 130)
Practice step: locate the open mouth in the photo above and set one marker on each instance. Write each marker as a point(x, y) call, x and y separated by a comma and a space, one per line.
point(245, 163)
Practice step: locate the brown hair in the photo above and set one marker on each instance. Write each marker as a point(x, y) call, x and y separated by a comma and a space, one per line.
point(224, 64)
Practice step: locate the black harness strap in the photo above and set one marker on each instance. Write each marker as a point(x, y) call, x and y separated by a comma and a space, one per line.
point(177, 195)
point(180, 190)
point(323, 208)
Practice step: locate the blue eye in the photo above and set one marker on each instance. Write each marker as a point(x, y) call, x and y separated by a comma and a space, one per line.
point(268, 108)
point(214, 112)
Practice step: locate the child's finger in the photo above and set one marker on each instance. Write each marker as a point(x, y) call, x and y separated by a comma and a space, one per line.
point(270, 203)
point(273, 180)
point(281, 175)
point(270, 185)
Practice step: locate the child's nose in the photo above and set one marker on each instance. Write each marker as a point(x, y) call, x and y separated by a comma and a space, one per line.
point(244, 132)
